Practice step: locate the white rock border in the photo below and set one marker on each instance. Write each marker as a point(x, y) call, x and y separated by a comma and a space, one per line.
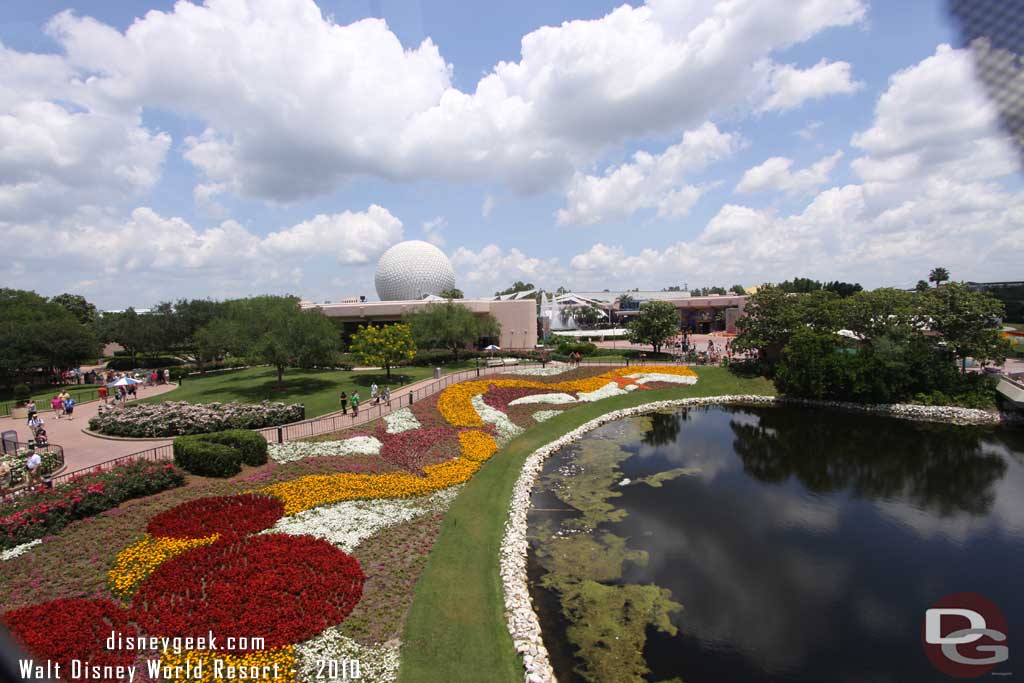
point(520, 616)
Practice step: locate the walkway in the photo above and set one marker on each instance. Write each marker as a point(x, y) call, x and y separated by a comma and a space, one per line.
point(82, 450)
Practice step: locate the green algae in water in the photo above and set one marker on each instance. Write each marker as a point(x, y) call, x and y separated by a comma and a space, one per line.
point(607, 620)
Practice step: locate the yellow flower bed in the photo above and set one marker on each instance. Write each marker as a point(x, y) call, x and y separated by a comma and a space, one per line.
point(218, 666)
point(455, 403)
point(320, 489)
point(477, 445)
point(140, 559)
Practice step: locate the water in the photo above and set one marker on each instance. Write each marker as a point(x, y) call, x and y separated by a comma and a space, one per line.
point(805, 545)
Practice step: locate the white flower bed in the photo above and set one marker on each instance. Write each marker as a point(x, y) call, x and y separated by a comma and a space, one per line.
point(18, 550)
point(607, 391)
point(349, 523)
point(553, 399)
point(644, 377)
point(376, 663)
point(401, 421)
point(545, 415)
point(507, 429)
point(553, 368)
point(297, 450)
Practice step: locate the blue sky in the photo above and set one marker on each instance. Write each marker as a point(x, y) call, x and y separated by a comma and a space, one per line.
point(151, 151)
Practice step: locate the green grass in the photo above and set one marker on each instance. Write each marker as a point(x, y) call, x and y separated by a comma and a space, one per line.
point(317, 389)
point(456, 627)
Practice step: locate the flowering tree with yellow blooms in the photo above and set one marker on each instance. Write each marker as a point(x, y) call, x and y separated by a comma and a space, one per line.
point(384, 346)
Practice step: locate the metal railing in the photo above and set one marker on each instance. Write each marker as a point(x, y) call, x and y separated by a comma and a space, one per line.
point(161, 453)
point(80, 396)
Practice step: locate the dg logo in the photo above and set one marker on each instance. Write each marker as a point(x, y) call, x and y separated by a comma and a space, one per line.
point(964, 635)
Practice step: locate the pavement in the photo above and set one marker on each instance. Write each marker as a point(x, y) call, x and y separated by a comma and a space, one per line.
point(80, 449)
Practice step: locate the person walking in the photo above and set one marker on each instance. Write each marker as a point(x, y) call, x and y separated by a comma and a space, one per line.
point(387, 396)
point(69, 408)
point(34, 465)
point(35, 423)
point(355, 404)
point(344, 403)
point(57, 405)
point(167, 375)
point(103, 393)
point(374, 395)
point(31, 408)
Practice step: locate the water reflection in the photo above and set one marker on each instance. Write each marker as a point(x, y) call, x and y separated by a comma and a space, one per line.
point(811, 542)
point(937, 467)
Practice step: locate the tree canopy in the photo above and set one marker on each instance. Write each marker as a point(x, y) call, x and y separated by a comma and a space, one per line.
point(657, 322)
point(39, 334)
point(451, 326)
point(386, 345)
point(517, 286)
point(453, 293)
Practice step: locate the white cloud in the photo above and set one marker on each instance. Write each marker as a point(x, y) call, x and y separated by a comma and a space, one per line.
point(59, 151)
point(154, 257)
point(433, 228)
point(250, 69)
point(932, 122)
point(493, 268)
point(775, 174)
point(790, 87)
point(649, 182)
point(810, 130)
point(488, 206)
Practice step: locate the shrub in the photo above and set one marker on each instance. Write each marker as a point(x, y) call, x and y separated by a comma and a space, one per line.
point(50, 510)
point(126, 363)
point(566, 346)
point(220, 454)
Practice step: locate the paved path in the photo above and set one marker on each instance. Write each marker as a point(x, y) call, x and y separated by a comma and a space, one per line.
point(82, 450)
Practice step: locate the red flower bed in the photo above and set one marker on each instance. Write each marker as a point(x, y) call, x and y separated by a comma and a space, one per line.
point(229, 516)
point(500, 397)
point(411, 450)
point(279, 587)
point(72, 628)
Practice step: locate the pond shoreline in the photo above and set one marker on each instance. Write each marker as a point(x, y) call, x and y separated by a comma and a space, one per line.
point(521, 619)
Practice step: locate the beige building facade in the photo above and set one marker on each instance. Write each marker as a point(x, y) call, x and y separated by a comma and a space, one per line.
point(518, 319)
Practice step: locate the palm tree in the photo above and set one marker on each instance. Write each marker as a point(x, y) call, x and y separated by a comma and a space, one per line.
point(938, 275)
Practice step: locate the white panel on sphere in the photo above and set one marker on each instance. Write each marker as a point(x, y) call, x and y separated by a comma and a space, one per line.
point(411, 270)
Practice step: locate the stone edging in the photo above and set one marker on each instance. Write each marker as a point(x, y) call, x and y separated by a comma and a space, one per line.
point(521, 619)
point(97, 435)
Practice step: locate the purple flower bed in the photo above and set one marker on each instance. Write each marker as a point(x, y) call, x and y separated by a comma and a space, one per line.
point(173, 418)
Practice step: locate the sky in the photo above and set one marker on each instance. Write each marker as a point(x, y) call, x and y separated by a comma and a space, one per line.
point(156, 150)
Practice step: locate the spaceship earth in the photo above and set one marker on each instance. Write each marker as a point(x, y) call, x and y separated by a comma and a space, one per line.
point(412, 270)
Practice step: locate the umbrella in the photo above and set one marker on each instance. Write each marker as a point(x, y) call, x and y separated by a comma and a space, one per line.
point(124, 381)
point(492, 347)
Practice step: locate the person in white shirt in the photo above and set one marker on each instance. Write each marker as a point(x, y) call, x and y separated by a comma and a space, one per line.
point(34, 464)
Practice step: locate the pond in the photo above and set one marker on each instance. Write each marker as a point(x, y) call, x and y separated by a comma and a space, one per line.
point(770, 544)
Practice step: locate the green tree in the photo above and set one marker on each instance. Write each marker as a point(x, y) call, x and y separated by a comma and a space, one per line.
point(738, 289)
point(770, 316)
point(517, 286)
point(453, 293)
point(800, 285)
point(812, 365)
point(884, 311)
point(938, 276)
point(83, 311)
point(657, 322)
point(969, 322)
point(275, 331)
point(843, 289)
point(922, 286)
point(39, 334)
point(587, 317)
point(386, 346)
point(451, 326)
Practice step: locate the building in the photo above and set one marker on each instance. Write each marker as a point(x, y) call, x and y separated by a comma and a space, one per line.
point(699, 314)
point(518, 319)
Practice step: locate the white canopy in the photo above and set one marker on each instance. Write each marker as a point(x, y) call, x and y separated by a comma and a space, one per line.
point(492, 347)
point(123, 381)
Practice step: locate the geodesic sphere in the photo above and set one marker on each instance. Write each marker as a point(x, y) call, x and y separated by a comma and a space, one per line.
point(411, 270)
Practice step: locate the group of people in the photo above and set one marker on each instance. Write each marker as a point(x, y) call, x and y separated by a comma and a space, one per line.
point(377, 396)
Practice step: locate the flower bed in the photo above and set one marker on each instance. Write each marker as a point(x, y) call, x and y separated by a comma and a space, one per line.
point(173, 418)
point(51, 510)
point(401, 420)
point(72, 628)
point(228, 516)
point(285, 589)
point(297, 450)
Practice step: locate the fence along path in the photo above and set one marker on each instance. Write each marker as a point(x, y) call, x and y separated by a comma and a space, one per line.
point(336, 421)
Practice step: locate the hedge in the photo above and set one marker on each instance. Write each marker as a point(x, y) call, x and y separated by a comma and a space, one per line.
point(126, 363)
point(220, 454)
